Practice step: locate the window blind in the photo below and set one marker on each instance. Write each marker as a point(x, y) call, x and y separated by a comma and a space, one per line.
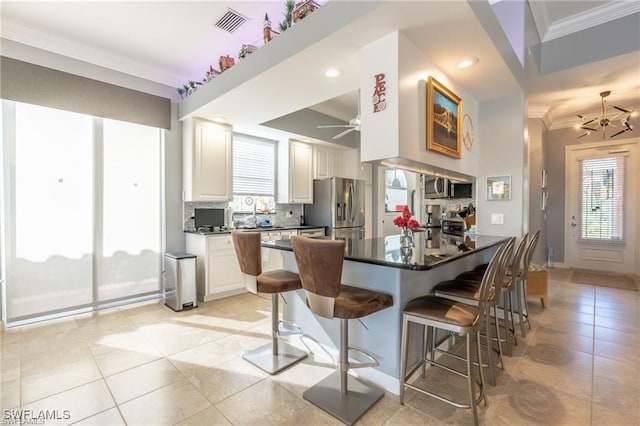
point(602, 198)
point(254, 166)
point(37, 85)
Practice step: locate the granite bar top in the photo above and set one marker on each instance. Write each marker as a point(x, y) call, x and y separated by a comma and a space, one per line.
point(256, 229)
point(431, 249)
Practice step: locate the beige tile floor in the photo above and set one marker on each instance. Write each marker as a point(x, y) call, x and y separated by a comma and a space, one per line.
point(146, 365)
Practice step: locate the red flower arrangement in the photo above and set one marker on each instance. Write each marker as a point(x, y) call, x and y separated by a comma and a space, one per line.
point(405, 220)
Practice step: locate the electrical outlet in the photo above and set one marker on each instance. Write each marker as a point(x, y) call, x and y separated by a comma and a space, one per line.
point(289, 214)
point(497, 218)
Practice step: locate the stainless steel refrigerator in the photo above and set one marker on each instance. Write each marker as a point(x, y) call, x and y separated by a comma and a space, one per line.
point(338, 204)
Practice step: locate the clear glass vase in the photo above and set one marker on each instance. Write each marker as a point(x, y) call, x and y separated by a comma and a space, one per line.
point(406, 237)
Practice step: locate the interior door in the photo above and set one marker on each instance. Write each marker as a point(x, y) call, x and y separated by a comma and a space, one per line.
point(601, 207)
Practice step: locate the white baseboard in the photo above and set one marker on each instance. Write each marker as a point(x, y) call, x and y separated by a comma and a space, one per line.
point(559, 265)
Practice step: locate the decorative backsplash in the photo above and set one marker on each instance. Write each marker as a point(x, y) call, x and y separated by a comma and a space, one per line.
point(285, 214)
point(450, 207)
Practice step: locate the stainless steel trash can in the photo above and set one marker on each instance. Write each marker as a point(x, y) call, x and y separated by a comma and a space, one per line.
point(179, 283)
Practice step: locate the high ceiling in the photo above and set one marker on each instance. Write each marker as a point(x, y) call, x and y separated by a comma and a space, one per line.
point(173, 42)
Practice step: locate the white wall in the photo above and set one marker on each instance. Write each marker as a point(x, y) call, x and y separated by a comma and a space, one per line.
point(379, 132)
point(400, 131)
point(500, 129)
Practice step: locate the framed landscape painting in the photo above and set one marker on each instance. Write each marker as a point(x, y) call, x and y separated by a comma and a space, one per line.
point(444, 117)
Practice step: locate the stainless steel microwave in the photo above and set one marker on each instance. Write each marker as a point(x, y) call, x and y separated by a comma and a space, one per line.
point(437, 187)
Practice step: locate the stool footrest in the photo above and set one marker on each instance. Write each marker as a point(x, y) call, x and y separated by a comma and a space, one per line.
point(370, 360)
point(347, 408)
point(443, 399)
point(289, 329)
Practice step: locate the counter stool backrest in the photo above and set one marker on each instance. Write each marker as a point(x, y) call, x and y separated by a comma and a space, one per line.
point(531, 248)
point(320, 268)
point(503, 265)
point(528, 255)
point(249, 254)
point(487, 288)
point(518, 258)
point(248, 251)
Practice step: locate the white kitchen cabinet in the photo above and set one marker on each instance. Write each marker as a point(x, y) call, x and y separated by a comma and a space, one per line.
point(312, 232)
point(327, 162)
point(295, 172)
point(218, 272)
point(207, 160)
point(271, 258)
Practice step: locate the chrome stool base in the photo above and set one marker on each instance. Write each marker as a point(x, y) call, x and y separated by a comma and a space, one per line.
point(277, 355)
point(273, 360)
point(347, 408)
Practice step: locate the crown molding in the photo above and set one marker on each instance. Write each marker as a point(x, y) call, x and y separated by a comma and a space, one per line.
point(540, 17)
point(587, 19)
point(72, 49)
point(563, 123)
point(537, 111)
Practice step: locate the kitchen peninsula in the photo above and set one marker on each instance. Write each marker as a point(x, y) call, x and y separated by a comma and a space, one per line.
point(381, 264)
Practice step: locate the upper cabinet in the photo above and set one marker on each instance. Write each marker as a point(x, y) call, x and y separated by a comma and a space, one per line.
point(327, 162)
point(207, 160)
point(295, 172)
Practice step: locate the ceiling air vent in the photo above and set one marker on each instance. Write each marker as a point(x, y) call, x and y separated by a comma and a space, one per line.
point(230, 21)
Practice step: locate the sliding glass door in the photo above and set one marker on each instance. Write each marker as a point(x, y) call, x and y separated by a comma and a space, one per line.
point(51, 266)
point(128, 242)
point(82, 210)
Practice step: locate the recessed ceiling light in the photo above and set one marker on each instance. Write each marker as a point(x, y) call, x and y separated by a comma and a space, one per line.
point(467, 63)
point(306, 140)
point(332, 72)
point(220, 119)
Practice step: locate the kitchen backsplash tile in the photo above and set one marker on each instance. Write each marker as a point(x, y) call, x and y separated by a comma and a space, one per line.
point(279, 218)
point(189, 211)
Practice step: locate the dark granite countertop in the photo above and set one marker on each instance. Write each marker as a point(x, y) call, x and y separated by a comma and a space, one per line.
point(430, 249)
point(257, 229)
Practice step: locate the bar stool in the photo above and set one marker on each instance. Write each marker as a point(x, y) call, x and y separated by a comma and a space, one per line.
point(277, 355)
point(508, 289)
point(320, 267)
point(520, 282)
point(434, 313)
point(465, 288)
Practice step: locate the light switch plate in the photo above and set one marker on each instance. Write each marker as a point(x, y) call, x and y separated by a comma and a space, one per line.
point(497, 218)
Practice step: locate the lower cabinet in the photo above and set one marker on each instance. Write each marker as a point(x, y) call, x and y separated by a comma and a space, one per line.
point(311, 232)
point(271, 258)
point(218, 272)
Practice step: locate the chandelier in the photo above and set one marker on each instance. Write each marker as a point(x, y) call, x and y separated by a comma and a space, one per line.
point(620, 120)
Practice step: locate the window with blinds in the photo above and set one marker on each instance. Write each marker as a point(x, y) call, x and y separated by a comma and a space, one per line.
point(602, 198)
point(254, 168)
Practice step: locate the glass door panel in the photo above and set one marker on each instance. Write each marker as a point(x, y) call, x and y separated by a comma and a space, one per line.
point(128, 243)
point(50, 266)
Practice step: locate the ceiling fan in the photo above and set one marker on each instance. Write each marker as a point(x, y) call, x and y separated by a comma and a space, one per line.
point(353, 126)
point(601, 123)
